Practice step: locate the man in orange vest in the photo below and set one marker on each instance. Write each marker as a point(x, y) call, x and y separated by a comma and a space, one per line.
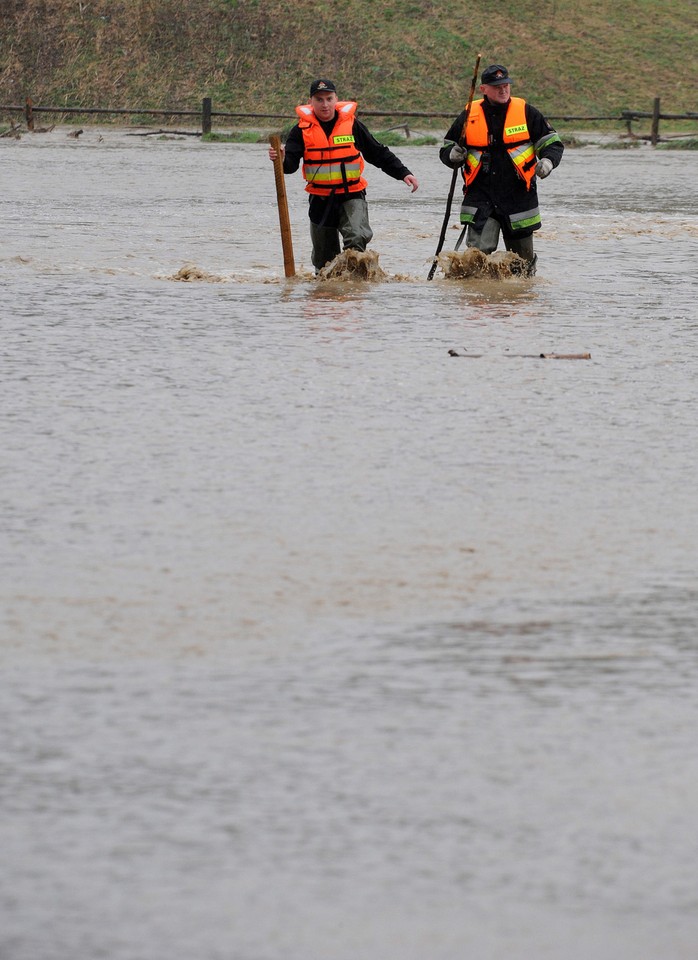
point(507, 145)
point(332, 144)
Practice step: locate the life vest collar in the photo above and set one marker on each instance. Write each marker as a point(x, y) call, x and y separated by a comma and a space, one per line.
point(515, 136)
point(331, 163)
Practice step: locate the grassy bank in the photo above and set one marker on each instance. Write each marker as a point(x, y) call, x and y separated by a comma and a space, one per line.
point(258, 56)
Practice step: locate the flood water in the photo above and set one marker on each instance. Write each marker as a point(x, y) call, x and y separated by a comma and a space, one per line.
point(319, 643)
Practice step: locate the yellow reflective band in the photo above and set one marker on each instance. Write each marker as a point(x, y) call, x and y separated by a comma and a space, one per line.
point(327, 178)
point(347, 139)
point(331, 174)
point(525, 155)
point(510, 131)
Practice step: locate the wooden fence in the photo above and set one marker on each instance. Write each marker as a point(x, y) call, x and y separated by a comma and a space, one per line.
point(206, 114)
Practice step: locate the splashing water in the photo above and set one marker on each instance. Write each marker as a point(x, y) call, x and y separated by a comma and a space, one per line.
point(189, 272)
point(353, 265)
point(475, 263)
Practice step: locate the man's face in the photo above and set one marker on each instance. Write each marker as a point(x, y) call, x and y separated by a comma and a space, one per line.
point(323, 104)
point(497, 92)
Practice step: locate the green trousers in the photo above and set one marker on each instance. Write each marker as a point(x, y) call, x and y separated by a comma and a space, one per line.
point(352, 225)
point(488, 239)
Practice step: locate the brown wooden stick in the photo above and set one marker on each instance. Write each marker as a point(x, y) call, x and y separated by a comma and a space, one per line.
point(284, 221)
point(565, 356)
point(527, 356)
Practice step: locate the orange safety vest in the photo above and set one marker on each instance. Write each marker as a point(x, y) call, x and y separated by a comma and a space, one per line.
point(516, 138)
point(331, 164)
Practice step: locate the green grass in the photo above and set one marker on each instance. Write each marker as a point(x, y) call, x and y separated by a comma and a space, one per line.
point(688, 143)
point(621, 145)
point(259, 56)
point(570, 140)
point(391, 138)
point(236, 136)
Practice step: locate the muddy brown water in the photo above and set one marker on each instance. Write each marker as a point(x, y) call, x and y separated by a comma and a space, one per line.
point(319, 641)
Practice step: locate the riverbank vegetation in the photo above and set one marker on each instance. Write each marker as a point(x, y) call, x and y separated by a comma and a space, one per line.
point(258, 56)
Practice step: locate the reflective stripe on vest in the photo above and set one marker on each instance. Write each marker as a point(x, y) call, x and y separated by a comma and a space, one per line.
point(467, 214)
point(525, 220)
point(546, 141)
point(331, 164)
point(516, 139)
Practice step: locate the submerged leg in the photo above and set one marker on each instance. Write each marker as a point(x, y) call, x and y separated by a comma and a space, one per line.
point(325, 244)
point(485, 240)
point(523, 247)
point(353, 224)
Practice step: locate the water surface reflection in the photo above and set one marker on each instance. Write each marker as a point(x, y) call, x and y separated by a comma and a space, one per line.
point(317, 640)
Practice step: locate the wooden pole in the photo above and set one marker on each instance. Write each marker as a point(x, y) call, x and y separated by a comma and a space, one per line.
point(527, 356)
point(29, 113)
point(284, 221)
point(206, 115)
point(655, 122)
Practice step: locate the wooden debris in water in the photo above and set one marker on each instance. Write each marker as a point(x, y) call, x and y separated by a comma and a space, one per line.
point(12, 131)
point(189, 273)
point(499, 265)
point(353, 265)
point(528, 356)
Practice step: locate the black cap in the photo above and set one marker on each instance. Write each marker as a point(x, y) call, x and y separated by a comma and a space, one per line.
point(322, 86)
point(496, 75)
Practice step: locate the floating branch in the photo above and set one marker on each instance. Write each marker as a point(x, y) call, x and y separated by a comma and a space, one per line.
point(527, 356)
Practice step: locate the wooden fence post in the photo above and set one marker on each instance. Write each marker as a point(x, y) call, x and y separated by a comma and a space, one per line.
point(655, 122)
point(206, 115)
point(29, 113)
point(284, 220)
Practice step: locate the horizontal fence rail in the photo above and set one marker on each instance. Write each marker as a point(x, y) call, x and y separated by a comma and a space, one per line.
point(206, 115)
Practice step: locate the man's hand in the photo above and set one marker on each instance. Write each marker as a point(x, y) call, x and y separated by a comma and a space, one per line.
point(411, 181)
point(457, 155)
point(273, 154)
point(544, 167)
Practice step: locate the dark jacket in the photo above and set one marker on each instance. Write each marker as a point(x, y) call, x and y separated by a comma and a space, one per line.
point(372, 151)
point(497, 190)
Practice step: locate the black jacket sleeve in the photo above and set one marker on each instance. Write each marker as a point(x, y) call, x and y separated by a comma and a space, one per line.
point(452, 137)
point(294, 147)
point(378, 154)
point(540, 129)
